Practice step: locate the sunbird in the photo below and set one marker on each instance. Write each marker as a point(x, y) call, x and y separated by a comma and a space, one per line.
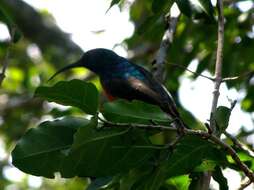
point(122, 79)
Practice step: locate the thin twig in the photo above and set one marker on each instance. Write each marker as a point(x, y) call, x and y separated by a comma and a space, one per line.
point(167, 39)
point(211, 78)
point(200, 133)
point(133, 125)
point(238, 77)
point(217, 78)
point(186, 69)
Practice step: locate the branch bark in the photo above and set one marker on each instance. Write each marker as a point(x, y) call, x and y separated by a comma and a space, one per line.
point(217, 80)
point(218, 65)
point(167, 39)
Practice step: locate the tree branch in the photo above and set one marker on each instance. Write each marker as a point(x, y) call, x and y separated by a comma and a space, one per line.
point(218, 65)
point(194, 73)
point(200, 133)
point(217, 78)
point(167, 39)
point(240, 145)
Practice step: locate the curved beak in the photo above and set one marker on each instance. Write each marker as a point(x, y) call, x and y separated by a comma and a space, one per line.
point(68, 67)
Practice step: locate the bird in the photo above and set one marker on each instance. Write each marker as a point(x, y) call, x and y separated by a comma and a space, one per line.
point(123, 79)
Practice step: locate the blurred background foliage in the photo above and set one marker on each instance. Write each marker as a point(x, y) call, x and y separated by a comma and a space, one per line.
point(43, 48)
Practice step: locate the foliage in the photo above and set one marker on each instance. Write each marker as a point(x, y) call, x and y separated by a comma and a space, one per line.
point(89, 148)
point(73, 93)
point(133, 112)
point(75, 142)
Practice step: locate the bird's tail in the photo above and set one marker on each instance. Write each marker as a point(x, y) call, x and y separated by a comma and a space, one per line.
point(71, 66)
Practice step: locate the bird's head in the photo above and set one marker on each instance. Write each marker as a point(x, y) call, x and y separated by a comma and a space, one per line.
point(96, 60)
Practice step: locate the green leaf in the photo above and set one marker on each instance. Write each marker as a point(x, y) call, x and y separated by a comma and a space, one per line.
point(179, 182)
point(219, 177)
point(75, 93)
point(106, 152)
point(189, 153)
point(245, 157)
point(207, 7)
point(127, 182)
point(185, 7)
point(206, 165)
point(153, 180)
point(156, 179)
point(159, 6)
point(222, 115)
point(133, 112)
point(196, 8)
point(42, 149)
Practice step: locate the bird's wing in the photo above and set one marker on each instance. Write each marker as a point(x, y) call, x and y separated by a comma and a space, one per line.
point(130, 88)
point(166, 100)
point(147, 90)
